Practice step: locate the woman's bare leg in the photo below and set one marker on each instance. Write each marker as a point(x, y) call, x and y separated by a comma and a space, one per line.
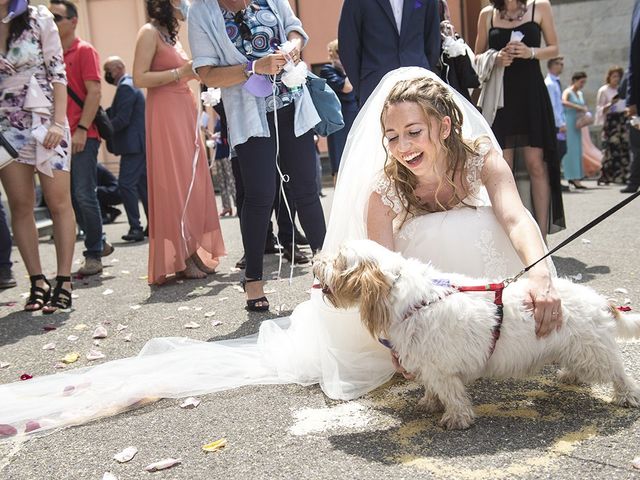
point(540, 188)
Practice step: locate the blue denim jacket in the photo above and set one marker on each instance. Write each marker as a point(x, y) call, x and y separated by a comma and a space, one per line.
point(211, 46)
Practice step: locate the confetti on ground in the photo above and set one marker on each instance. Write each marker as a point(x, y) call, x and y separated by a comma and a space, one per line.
point(126, 454)
point(121, 327)
point(215, 446)
point(169, 318)
point(190, 402)
point(72, 338)
point(127, 337)
point(95, 355)
point(114, 260)
point(59, 366)
point(5, 364)
point(216, 323)
point(623, 291)
point(125, 272)
point(209, 314)
point(192, 325)
point(70, 358)
point(9, 304)
point(134, 307)
point(49, 346)
point(49, 327)
point(24, 295)
point(636, 463)
point(183, 309)
point(109, 476)
point(586, 241)
point(143, 277)
point(31, 426)
point(26, 376)
point(80, 327)
point(163, 464)
point(100, 332)
point(7, 431)
point(75, 295)
point(223, 299)
point(269, 291)
point(108, 291)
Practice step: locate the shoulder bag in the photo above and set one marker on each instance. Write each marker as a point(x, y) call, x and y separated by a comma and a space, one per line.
point(102, 121)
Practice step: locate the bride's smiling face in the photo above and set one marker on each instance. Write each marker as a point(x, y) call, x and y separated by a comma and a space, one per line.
point(412, 138)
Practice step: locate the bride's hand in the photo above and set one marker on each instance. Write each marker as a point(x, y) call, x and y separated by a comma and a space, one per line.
point(399, 368)
point(543, 299)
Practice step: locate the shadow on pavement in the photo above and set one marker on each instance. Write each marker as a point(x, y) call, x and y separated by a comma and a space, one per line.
point(569, 266)
point(18, 325)
point(524, 416)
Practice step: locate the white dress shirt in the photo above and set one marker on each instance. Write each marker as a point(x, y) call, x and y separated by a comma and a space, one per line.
point(396, 6)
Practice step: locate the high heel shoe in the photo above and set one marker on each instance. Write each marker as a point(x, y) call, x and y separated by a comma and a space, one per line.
point(38, 296)
point(577, 186)
point(227, 212)
point(61, 298)
point(252, 304)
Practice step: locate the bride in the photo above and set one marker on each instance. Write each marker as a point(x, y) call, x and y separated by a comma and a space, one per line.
point(432, 185)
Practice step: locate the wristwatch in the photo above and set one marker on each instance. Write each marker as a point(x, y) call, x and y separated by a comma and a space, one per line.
point(248, 69)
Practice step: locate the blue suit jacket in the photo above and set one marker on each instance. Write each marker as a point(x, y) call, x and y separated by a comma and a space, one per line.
point(127, 116)
point(370, 45)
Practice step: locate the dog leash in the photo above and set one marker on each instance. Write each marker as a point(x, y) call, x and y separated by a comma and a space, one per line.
point(575, 235)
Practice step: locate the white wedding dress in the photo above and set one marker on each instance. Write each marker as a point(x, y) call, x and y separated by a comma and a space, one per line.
point(317, 343)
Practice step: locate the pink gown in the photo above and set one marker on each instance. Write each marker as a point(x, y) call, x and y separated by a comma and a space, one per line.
point(176, 233)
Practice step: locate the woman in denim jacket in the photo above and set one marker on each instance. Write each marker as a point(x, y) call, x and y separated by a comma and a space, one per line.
point(231, 42)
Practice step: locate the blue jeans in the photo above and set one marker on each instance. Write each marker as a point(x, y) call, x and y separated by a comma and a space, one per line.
point(84, 183)
point(133, 186)
point(5, 240)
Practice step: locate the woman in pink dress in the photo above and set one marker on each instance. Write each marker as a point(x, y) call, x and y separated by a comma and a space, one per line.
point(184, 230)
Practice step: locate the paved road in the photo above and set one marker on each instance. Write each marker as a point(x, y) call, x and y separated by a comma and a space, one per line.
point(533, 428)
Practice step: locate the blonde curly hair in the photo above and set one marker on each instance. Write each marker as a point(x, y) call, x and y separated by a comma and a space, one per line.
point(436, 102)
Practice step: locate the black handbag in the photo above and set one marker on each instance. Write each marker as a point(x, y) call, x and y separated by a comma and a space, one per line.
point(102, 120)
point(7, 153)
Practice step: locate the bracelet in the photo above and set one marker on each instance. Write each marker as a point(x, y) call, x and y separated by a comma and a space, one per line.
point(248, 69)
point(82, 127)
point(176, 74)
point(533, 53)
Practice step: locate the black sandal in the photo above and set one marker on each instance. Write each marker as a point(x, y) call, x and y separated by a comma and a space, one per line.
point(61, 298)
point(252, 305)
point(38, 296)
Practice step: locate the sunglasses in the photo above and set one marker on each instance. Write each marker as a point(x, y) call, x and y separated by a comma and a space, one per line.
point(245, 31)
point(58, 18)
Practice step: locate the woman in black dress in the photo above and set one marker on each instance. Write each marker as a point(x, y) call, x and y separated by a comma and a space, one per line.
point(526, 121)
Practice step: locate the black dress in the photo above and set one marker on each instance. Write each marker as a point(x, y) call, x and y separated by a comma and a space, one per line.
point(527, 120)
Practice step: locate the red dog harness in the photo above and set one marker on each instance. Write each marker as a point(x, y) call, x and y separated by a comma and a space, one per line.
point(497, 288)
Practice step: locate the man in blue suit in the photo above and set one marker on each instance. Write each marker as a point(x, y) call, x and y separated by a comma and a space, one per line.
point(632, 92)
point(128, 141)
point(377, 36)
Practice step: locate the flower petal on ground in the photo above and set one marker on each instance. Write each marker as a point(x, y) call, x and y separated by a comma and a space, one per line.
point(162, 464)
point(215, 446)
point(49, 346)
point(190, 402)
point(100, 332)
point(70, 358)
point(108, 291)
point(126, 454)
point(192, 325)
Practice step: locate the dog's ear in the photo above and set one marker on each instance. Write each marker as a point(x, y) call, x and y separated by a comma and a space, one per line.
point(375, 308)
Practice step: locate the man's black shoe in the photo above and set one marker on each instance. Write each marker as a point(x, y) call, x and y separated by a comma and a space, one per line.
point(111, 215)
point(134, 235)
point(299, 257)
point(630, 189)
point(146, 231)
point(242, 263)
point(300, 238)
point(272, 245)
point(7, 280)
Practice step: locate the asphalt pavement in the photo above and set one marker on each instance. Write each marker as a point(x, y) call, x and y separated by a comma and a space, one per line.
point(533, 428)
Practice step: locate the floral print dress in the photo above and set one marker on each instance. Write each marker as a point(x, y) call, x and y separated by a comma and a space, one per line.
point(32, 63)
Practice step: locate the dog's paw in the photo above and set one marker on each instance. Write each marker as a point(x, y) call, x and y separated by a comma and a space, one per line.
point(567, 377)
point(457, 421)
point(628, 399)
point(430, 404)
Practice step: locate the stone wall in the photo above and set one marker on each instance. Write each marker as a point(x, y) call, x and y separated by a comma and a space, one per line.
point(593, 35)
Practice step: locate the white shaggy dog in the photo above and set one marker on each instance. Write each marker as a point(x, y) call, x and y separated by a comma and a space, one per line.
point(445, 338)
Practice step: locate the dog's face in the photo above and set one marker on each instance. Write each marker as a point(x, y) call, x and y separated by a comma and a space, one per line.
point(362, 273)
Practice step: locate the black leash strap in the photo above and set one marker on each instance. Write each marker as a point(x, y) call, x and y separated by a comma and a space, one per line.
point(584, 229)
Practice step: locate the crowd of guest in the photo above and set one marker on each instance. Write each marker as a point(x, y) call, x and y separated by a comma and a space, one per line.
point(259, 145)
